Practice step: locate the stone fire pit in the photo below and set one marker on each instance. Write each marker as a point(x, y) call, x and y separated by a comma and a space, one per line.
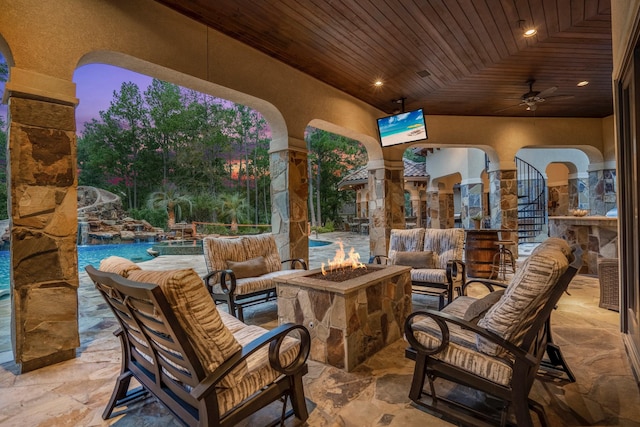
point(349, 320)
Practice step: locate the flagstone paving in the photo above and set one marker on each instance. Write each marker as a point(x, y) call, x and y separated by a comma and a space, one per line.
point(375, 394)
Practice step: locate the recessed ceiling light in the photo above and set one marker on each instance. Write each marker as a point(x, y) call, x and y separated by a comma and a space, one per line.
point(530, 32)
point(378, 83)
point(582, 83)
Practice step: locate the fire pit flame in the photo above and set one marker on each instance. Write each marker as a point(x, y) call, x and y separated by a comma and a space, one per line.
point(340, 262)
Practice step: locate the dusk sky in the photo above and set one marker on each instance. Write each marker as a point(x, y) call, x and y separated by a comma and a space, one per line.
point(95, 85)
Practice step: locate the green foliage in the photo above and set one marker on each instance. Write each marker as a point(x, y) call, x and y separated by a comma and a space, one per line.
point(204, 208)
point(171, 200)
point(155, 217)
point(411, 155)
point(4, 74)
point(332, 157)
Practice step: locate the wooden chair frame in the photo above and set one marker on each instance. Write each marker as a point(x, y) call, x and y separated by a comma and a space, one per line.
point(156, 351)
point(526, 360)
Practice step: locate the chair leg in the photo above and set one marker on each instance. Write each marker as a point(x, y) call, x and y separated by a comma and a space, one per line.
point(120, 396)
point(298, 402)
point(419, 374)
point(521, 408)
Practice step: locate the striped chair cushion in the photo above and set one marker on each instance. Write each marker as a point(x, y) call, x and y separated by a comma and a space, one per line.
point(198, 316)
point(118, 265)
point(218, 250)
point(554, 242)
point(462, 350)
point(429, 275)
point(254, 284)
point(447, 244)
point(405, 241)
point(527, 292)
point(263, 245)
point(259, 373)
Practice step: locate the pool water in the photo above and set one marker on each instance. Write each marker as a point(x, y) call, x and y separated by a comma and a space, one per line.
point(87, 255)
point(93, 254)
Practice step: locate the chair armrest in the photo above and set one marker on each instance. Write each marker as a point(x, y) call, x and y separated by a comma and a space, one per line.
point(442, 319)
point(377, 259)
point(223, 281)
point(488, 283)
point(274, 339)
point(295, 261)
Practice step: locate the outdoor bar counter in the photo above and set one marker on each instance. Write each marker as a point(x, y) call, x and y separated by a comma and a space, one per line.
point(597, 236)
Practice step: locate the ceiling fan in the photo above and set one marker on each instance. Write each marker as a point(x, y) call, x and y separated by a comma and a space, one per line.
point(532, 98)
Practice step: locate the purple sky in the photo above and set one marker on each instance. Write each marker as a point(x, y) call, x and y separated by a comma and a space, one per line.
point(95, 85)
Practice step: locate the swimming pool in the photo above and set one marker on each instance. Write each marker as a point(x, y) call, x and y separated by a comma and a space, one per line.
point(87, 255)
point(93, 254)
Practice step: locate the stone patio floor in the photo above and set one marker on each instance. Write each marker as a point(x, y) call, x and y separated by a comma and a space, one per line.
point(73, 393)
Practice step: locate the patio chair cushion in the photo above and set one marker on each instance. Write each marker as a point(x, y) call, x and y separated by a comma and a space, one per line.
point(250, 285)
point(447, 244)
point(198, 316)
point(525, 295)
point(479, 307)
point(118, 265)
point(405, 241)
point(250, 268)
point(555, 242)
point(462, 350)
point(263, 245)
point(258, 371)
point(218, 251)
point(418, 259)
point(430, 275)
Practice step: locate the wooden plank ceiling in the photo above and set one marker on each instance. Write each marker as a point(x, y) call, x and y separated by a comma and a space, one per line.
point(451, 57)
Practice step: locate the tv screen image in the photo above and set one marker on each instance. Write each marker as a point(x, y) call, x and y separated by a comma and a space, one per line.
point(401, 128)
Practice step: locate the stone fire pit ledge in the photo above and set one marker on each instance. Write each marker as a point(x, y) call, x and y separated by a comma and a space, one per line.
point(376, 273)
point(351, 320)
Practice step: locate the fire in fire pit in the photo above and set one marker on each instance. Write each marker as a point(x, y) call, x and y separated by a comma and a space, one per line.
point(342, 268)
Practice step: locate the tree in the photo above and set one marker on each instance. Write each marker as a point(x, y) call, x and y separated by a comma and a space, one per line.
point(233, 207)
point(4, 74)
point(170, 199)
point(331, 157)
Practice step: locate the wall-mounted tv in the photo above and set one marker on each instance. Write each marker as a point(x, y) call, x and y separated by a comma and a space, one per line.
point(402, 127)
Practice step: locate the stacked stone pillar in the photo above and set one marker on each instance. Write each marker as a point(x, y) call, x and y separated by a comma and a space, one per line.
point(440, 209)
point(386, 206)
point(43, 206)
point(471, 200)
point(503, 199)
point(578, 192)
point(602, 190)
point(289, 197)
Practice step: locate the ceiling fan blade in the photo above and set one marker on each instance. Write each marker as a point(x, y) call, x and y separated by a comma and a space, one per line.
point(507, 108)
point(559, 97)
point(546, 92)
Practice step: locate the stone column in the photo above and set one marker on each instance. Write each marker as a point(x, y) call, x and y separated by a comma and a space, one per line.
point(471, 200)
point(386, 206)
point(289, 197)
point(503, 199)
point(43, 211)
point(578, 191)
point(602, 191)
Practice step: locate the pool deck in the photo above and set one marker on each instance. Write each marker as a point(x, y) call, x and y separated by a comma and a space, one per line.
point(375, 394)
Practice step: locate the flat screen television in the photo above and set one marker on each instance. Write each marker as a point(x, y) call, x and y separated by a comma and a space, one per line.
point(402, 127)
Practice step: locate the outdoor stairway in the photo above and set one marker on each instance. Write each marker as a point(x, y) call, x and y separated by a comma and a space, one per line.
point(532, 201)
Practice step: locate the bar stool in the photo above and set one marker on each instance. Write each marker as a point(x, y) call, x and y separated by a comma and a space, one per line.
point(503, 260)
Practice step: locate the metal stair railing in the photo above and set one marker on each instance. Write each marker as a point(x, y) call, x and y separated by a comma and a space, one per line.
point(532, 201)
